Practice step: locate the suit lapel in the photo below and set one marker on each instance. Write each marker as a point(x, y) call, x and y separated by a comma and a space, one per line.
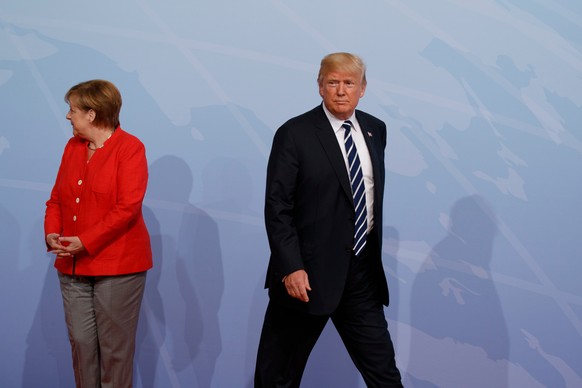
point(368, 133)
point(372, 138)
point(330, 145)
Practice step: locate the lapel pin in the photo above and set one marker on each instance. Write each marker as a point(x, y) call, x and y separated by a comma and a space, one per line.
point(369, 134)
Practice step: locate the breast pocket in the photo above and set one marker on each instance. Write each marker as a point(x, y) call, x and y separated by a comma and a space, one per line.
point(103, 190)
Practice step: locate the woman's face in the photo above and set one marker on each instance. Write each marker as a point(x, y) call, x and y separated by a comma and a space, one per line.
point(80, 119)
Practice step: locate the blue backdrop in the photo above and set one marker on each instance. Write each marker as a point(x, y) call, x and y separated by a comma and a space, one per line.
point(483, 219)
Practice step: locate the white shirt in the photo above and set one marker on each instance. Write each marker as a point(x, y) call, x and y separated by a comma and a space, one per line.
point(363, 154)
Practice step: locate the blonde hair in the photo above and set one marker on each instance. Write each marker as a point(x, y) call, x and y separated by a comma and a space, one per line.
point(345, 62)
point(99, 95)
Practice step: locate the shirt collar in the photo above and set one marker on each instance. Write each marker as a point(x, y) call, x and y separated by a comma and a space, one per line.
point(336, 123)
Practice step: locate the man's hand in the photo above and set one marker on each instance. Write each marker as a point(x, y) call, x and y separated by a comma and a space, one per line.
point(297, 285)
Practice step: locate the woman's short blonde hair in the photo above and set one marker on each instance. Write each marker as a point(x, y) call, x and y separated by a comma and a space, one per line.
point(344, 62)
point(99, 95)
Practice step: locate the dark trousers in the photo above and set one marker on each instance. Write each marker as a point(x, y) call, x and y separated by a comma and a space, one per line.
point(288, 336)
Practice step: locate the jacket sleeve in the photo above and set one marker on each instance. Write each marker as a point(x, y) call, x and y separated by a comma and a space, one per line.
point(131, 177)
point(53, 218)
point(282, 177)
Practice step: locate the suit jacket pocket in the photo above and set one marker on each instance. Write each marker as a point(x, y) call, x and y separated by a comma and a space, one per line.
point(307, 251)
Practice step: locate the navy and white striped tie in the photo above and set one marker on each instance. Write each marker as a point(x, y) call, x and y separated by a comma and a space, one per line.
point(358, 189)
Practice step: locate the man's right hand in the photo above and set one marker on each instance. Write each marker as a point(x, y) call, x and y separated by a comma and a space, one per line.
point(297, 285)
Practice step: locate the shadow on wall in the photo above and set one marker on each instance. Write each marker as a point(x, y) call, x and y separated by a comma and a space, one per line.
point(329, 364)
point(455, 308)
point(390, 246)
point(179, 336)
point(151, 332)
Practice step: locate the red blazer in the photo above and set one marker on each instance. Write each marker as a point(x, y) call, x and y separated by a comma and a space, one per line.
point(100, 201)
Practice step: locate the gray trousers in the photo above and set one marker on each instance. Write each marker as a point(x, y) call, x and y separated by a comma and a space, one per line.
point(101, 313)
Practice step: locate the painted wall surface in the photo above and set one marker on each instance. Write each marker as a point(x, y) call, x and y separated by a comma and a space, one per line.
point(483, 217)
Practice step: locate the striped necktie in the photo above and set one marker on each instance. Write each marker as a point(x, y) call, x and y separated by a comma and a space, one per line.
point(358, 189)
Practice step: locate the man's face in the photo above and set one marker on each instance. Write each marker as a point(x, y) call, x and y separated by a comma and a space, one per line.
point(341, 92)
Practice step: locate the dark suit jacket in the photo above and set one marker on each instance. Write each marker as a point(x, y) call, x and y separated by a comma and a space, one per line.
point(309, 210)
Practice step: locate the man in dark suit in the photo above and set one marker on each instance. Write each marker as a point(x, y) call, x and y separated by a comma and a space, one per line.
point(323, 214)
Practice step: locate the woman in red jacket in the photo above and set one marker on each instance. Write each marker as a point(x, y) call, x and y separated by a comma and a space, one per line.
point(94, 225)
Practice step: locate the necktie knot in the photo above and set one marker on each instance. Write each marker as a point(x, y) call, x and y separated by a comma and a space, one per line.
point(347, 125)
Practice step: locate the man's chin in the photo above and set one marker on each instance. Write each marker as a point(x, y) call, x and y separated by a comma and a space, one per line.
point(343, 113)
